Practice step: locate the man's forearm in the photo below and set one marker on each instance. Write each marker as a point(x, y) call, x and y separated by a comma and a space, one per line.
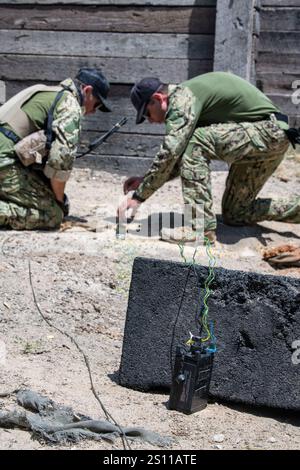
point(175, 172)
point(158, 174)
point(58, 187)
point(181, 121)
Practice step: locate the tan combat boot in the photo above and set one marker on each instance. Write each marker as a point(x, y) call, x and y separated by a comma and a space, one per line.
point(184, 235)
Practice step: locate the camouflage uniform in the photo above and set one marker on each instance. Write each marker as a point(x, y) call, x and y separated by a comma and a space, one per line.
point(26, 199)
point(254, 150)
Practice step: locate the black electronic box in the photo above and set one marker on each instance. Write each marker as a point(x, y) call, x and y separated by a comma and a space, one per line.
point(191, 379)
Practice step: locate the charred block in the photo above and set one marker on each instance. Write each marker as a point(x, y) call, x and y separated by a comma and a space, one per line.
point(256, 318)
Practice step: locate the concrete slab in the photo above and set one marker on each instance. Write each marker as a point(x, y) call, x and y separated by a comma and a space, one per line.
point(257, 325)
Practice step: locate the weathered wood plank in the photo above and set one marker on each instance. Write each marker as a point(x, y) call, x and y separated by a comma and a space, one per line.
point(110, 19)
point(279, 3)
point(125, 165)
point(170, 46)
point(284, 102)
point(234, 37)
point(121, 70)
point(294, 121)
point(133, 145)
point(279, 42)
point(281, 62)
point(122, 108)
point(113, 2)
point(283, 19)
point(272, 82)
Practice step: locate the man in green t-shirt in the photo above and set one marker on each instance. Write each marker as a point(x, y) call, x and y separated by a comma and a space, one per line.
point(33, 197)
point(213, 116)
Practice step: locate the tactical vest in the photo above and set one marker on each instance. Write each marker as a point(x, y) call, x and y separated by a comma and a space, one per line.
point(12, 114)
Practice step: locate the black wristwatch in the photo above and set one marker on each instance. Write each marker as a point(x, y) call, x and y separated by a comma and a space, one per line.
point(138, 198)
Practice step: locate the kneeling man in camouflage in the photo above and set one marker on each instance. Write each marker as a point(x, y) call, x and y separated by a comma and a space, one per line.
point(214, 116)
point(39, 134)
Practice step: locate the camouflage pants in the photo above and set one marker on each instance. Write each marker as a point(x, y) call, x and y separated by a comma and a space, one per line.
point(26, 202)
point(254, 151)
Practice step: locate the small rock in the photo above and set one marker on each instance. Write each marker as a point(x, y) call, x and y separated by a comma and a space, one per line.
point(272, 439)
point(218, 446)
point(248, 252)
point(285, 179)
point(218, 438)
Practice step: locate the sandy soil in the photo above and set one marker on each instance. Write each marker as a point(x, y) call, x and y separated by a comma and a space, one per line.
point(81, 280)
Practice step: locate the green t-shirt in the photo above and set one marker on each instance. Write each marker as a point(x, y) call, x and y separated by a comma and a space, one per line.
point(66, 128)
point(223, 97)
point(38, 107)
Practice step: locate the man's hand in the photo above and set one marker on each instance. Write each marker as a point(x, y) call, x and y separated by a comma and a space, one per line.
point(132, 183)
point(65, 205)
point(62, 200)
point(127, 204)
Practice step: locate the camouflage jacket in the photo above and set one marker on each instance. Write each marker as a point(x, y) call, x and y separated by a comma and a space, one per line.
point(66, 127)
point(181, 120)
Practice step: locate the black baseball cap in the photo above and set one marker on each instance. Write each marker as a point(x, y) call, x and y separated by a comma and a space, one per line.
point(95, 78)
point(141, 93)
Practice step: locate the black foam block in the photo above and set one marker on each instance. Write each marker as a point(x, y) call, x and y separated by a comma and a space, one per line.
point(257, 322)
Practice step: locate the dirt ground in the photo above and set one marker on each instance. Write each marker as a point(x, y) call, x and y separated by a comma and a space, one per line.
point(81, 280)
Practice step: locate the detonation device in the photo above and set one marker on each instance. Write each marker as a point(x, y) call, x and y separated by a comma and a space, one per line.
point(191, 377)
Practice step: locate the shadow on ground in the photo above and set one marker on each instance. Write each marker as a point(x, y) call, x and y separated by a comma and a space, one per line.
point(230, 235)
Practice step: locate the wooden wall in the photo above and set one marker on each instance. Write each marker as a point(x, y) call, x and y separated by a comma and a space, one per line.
point(278, 53)
point(49, 40)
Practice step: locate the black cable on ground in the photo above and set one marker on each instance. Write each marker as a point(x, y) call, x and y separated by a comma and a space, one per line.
point(86, 360)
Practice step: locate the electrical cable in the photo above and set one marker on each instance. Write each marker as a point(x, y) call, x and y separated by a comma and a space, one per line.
point(107, 414)
point(177, 316)
point(202, 315)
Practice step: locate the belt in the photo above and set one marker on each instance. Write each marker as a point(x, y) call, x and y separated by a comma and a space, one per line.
point(10, 134)
point(281, 117)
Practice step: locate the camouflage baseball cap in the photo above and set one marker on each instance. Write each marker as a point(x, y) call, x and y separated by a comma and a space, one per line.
point(95, 78)
point(141, 94)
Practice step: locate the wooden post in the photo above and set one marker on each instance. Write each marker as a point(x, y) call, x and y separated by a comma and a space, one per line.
point(234, 40)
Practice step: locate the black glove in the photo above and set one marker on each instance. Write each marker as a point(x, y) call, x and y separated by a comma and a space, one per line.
point(65, 205)
point(293, 136)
